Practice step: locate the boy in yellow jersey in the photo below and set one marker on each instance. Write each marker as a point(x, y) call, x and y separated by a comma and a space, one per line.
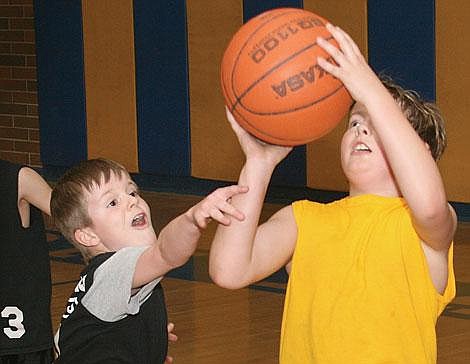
point(370, 273)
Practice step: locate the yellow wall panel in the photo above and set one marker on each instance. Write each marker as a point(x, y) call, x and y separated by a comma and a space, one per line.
point(215, 153)
point(108, 33)
point(323, 156)
point(452, 82)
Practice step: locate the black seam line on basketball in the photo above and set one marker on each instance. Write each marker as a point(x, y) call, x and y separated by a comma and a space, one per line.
point(292, 110)
point(244, 45)
point(277, 139)
point(238, 98)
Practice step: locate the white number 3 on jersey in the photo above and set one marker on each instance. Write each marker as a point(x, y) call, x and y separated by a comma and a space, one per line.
point(15, 315)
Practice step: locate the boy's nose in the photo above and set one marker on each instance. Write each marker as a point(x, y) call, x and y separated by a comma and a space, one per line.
point(361, 129)
point(132, 201)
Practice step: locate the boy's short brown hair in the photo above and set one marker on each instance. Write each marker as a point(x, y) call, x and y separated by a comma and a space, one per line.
point(424, 116)
point(69, 207)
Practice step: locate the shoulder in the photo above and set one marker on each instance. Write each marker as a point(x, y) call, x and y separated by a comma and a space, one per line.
point(304, 205)
point(98, 260)
point(112, 284)
point(308, 207)
point(116, 265)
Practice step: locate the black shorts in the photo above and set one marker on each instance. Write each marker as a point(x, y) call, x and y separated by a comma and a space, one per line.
point(38, 357)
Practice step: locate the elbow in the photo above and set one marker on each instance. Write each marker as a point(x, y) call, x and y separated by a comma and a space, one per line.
point(435, 212)
point(437, 228)
point(178, 261)
point(172, 261)
point(224, 279)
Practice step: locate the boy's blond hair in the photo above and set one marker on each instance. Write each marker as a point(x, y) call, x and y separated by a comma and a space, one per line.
point(69, 205)
point(424, 116)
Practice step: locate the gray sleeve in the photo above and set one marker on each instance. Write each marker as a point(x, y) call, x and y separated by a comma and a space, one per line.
point(110, 296)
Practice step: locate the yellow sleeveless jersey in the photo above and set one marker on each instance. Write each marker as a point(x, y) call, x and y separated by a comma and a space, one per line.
point(359, 291)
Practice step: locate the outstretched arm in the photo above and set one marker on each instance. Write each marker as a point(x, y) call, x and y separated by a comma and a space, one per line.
point(244, 252)
point(413, 167)
point(178, 239)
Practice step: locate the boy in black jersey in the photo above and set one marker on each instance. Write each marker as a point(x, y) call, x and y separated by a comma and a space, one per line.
point(117, 310)
point(25, 291)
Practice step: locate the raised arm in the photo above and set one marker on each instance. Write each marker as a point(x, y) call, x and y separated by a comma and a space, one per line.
point(413, 167)
point(243, 253)
point(178, 240)
point(33, 189)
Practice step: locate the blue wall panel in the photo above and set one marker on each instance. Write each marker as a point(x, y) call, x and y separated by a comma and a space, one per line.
point(162, 87)
point(292, 170)
point(402, 42)
point(61, 95)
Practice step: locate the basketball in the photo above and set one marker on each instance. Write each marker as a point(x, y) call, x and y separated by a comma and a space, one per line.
point(271, 81)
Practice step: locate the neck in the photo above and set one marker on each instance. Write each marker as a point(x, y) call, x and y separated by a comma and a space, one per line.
point(387, 190)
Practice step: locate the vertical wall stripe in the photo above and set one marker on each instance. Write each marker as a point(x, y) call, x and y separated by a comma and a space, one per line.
point(215, 152)
point(109, 81)
point(323, 156)
point(162, 87)
point(61, 95)
point(452, 81)
point(290, 171)
point(402, 43)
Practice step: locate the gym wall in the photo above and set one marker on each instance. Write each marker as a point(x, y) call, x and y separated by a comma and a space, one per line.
point(139, 82)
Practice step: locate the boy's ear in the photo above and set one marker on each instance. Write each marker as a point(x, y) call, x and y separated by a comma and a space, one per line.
point(86, 237)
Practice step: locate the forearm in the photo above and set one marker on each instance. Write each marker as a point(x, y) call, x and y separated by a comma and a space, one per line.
point(178, 240)
point(231, 252)
point(412, 164)
point(175, 244)
point(415, 171)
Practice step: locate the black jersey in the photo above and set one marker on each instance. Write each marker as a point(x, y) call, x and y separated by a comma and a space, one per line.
point(101, 324)
point(25, 289)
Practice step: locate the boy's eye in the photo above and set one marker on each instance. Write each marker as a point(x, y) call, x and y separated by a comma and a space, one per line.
point(354, 123)
point(112, 203)
point(134, 193)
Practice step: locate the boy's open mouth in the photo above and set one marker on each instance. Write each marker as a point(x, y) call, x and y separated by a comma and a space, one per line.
point(139, 220)
point(361, 147)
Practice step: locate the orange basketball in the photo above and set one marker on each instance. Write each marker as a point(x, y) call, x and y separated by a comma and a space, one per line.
point(271, 81)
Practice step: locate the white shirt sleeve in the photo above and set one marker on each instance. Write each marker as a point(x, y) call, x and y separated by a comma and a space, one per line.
point(110, 298)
